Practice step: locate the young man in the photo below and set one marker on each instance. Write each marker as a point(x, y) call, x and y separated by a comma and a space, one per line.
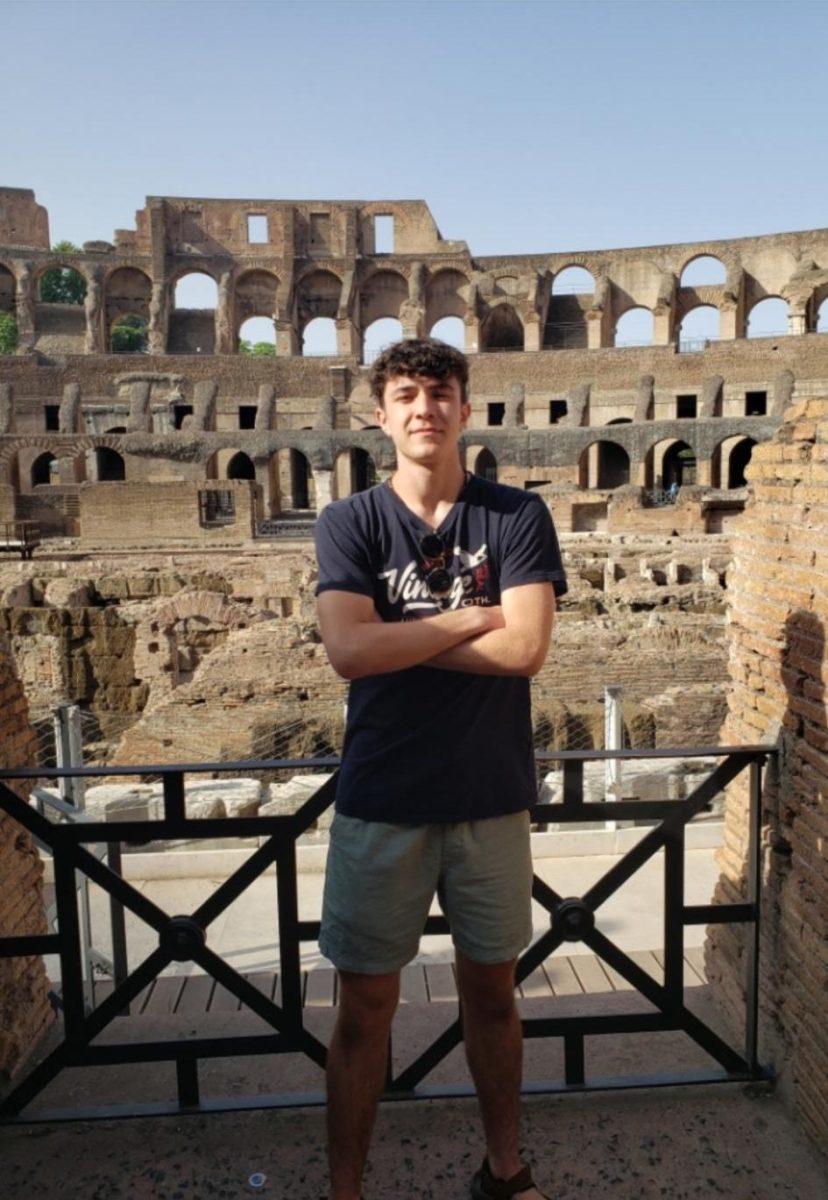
point(436, 599)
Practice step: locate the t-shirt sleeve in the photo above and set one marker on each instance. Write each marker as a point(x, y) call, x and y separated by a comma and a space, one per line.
point(342, 553)
point(529, 551)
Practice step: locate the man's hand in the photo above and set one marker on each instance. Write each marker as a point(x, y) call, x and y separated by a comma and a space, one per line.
point(517, 646)
point(360, 643)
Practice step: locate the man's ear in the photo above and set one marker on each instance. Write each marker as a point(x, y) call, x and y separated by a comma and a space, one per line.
point(465, 413)
point(379, 417)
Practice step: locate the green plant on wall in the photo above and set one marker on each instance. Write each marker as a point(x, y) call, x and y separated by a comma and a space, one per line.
point(129, 335)
point(8, 333)
point(263, 349)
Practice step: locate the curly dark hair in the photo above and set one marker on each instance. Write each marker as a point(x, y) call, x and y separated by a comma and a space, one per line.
point(419, 357)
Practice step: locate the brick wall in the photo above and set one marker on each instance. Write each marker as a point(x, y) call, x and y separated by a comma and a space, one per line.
point(149, 514)
point(778, 589)
point(25, 1013)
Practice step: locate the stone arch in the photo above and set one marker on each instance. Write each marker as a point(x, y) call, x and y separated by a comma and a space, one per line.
point(670, 461)
point(319, 338)
point(192, 321)
point(108, 465)
point(240, 466)
point(127, 292)
point(293, 486)
point(255, 294)
point(451, 330)
point(444, 296)
point(573, 279)
point(767, 317)
point(8, 289)
point(700, 324)
point(485, 465)
point(570, 297)
point(318, 294)
point(729, 460)
point(502, 329)
point(382, 294)
point(634, 327)
point(603, 464)
point(354, 471)
point(378, 335)
point(44, 470)
point(60, 321)
point(175, 637)
point(703, 270)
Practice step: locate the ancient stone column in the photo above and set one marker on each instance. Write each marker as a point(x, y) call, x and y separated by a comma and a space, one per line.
point(70, 408)
point(94, 343)
point(347, 338)
point(157, 333)
point(224, 325)
point(25, 309)
point(6, 408)
point(266, 406)
point(204, 404)
point(323, 479)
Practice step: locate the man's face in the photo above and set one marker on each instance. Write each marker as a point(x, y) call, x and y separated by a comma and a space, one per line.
point(424, 417)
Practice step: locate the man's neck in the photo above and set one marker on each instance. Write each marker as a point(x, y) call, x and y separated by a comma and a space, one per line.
point(428, 491)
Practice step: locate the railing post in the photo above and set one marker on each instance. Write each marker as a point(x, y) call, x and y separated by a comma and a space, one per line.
point(613, 739)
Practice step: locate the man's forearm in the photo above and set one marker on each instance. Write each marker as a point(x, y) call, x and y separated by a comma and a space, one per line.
point(498, 652)
point(376, 647)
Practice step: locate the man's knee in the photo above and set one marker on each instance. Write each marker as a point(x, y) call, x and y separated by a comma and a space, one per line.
point(487, 991)
point(367, 1003)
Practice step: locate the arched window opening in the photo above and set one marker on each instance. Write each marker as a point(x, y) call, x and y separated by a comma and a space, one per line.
point(45, 470)
point(300, 480)
point(485, 465)
point(129, 334)
point(363, 470)
point(768, 318)
point(450, 330)
point(193, 317)
point(704, 271)
point(378, 336)
point(109, 465)
point(822, 317)
point(241, 466)
point(501, 330)
point(445, 298)
point(127, 301)
point(382, 295)
point(678, 468)
point(566, 323)
point(195, 291)
point(699, 327)
point(319, 338)
point(61, 285)
point(257, 336)
point(604, 465)
point(573, 281)
point(7, 290)
point(738, 461)
point(634, 328)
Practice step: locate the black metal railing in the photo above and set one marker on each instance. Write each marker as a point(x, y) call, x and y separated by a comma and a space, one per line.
point(182, 937)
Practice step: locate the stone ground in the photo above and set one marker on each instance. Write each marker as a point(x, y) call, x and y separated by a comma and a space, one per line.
point(696, 1142)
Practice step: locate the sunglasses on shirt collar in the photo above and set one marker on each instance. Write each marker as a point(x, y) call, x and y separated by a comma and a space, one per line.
point(437, 553)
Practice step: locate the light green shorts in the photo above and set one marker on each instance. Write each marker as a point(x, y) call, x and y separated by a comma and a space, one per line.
point(381, 880)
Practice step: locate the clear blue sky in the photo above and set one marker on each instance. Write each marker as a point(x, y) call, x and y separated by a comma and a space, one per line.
point(527, 125)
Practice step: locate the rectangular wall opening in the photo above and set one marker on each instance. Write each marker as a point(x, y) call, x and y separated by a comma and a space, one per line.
point(51, 415)
point(557, 411)
point(247, 416)
point(257, 229)
point(383, 235)
point(756, 404)
point(496, 413)
point(685, 406)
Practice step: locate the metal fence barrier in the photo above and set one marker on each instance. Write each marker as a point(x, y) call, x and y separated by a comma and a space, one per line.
point(183, 937)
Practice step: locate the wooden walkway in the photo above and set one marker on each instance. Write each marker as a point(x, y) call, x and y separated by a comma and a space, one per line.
point(580, 974)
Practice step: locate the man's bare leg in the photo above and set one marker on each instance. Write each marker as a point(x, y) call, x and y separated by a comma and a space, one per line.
point(494, 1049)
point(356, 1074)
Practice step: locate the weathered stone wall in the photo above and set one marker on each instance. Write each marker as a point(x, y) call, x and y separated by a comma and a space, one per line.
point(152, 514)
point(25, 1013)
point(778, 595)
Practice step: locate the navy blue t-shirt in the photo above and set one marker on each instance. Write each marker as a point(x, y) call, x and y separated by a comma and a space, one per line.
point(427, 744)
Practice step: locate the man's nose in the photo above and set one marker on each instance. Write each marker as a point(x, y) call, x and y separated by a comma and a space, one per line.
point(425, 402)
